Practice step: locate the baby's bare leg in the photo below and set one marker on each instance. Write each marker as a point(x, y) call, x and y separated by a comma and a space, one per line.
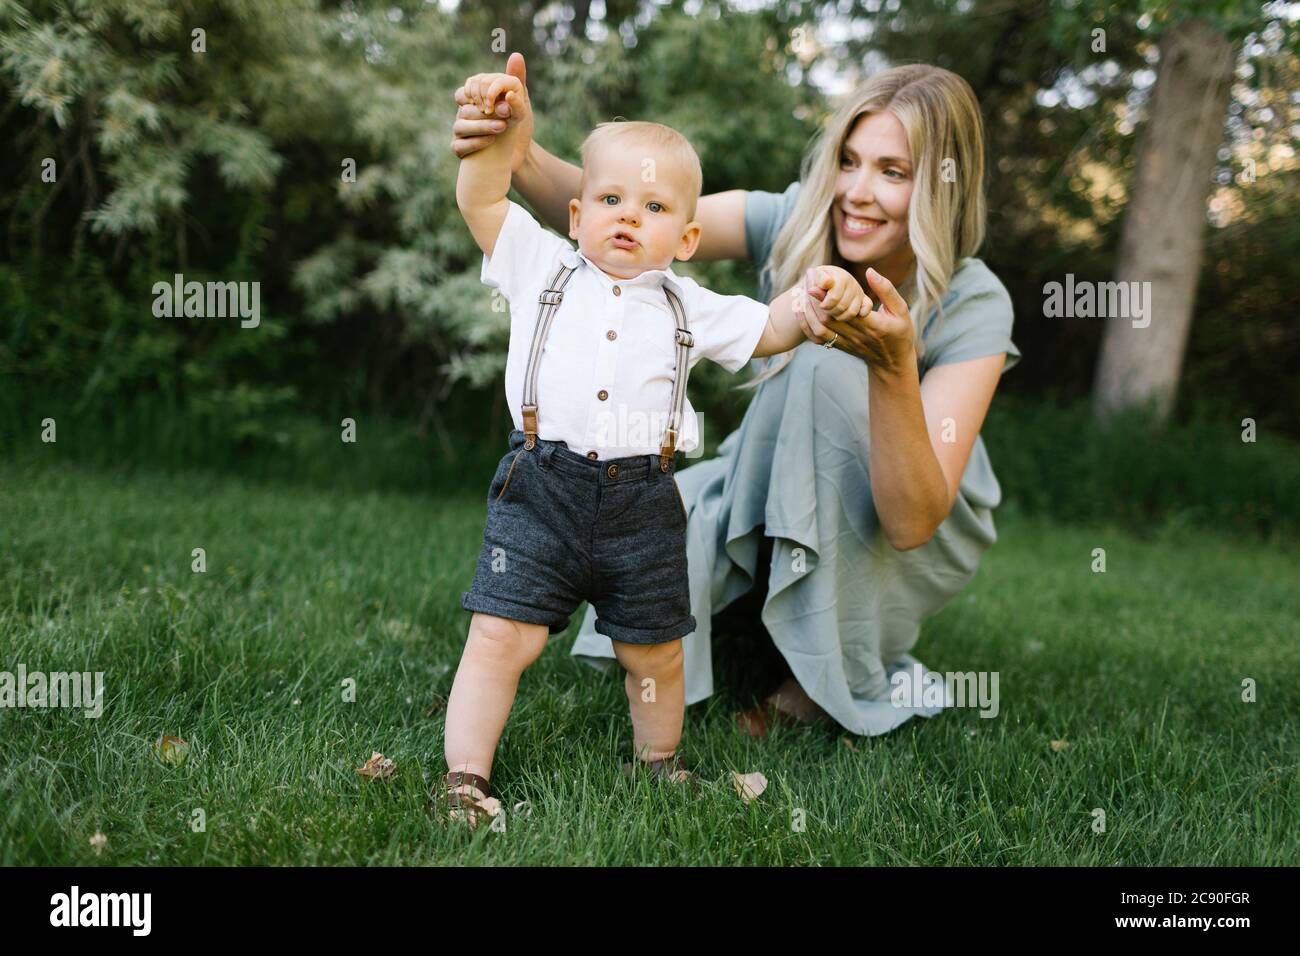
point(496, 652)
point(656, 696)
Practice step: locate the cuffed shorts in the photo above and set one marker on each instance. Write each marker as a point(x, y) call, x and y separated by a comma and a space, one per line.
point(563, 528)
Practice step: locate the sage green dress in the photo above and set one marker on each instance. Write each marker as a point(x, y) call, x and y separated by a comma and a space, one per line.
point(843, 606)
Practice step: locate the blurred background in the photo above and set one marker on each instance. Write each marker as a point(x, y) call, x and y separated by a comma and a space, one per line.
point(305, 145)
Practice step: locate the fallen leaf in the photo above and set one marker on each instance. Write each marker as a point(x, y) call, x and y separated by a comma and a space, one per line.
point(377, 767)
point(98, 842)
point(1059, 745)
point(437, 705)
point(171, 750)
point(749, 786)
point(848, 743)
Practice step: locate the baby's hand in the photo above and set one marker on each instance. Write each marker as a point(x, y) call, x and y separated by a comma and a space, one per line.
point(484, 90)
point(844, 298)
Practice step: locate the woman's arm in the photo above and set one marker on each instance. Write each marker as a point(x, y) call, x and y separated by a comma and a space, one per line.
point(921, 433)
point(722, 226)
point(548, 183)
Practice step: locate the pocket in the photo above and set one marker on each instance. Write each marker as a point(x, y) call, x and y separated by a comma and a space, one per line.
point(681, 502)
point(505, 472)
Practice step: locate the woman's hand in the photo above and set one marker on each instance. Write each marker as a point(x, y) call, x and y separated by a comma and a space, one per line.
point(473, 130)
point(883, 338)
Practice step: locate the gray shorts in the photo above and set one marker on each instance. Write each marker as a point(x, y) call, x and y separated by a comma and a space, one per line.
point(563, 528)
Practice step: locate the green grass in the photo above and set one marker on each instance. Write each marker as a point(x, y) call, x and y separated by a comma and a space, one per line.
point(1140, 669)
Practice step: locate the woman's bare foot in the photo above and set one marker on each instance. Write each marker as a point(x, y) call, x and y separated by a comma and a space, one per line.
point(788, 704)
point(791, 699)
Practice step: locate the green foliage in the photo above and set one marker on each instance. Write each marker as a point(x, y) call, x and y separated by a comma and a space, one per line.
point(230, 164)
point(1051, 459)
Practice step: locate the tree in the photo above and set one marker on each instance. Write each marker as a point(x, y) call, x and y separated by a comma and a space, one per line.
point(1164, 231)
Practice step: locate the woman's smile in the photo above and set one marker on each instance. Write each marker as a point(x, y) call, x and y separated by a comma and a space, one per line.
point(859, 226)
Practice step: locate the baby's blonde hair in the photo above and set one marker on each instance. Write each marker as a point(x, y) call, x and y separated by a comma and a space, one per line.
point(633, 133)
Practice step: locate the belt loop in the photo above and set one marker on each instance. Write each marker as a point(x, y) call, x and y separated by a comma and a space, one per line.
point(652, 468)
point(546, 451)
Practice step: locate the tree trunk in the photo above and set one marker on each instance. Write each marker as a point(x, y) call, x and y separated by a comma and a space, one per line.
point(1165, 225)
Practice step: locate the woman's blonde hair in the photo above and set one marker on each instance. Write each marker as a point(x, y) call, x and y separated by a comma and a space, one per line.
point(946, 215)
point(630, 134)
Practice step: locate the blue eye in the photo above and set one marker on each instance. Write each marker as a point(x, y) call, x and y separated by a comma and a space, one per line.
point(610, 196)
point(655, 204)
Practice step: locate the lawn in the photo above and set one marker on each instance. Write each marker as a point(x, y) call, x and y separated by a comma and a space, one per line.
point(1140, 669)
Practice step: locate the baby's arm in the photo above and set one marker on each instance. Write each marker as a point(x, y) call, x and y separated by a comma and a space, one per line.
point(843, 300)
point(483, 181)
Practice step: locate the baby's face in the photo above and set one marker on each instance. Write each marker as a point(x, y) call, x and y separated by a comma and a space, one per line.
point(627, 226)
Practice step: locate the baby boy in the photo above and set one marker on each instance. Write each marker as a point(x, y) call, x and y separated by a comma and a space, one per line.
point(585, 505)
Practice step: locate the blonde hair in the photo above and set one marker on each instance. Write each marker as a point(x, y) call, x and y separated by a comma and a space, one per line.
point(633, 133)
point(946, 215)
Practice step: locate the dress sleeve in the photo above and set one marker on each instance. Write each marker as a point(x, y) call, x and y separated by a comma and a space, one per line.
point(523, 253)
point(765, 214)
point(976, 322)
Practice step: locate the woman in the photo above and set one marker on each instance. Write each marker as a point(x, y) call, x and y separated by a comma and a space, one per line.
point(856, 496)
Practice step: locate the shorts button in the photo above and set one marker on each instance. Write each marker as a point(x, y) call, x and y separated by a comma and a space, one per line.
point(612, 471)
point(602, 394)
point(611, 335)
point(617, 290)
point(591, 455)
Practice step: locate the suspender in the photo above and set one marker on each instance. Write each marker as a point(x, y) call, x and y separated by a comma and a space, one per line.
point(547, 305)
point(668, 447)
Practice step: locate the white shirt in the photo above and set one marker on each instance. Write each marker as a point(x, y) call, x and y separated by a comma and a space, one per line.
point(609, 336)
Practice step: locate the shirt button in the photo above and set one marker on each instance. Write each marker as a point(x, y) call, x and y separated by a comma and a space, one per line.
point(612, 471)
point(617, 290)
point(591, 455)
point(611, 335)
point(602, 394)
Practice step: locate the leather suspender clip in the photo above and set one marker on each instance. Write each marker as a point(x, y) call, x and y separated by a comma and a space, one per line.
point(668, 449)
point(530, 426)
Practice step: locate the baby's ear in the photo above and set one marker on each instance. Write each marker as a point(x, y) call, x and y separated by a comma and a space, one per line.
point(575, 207)
point(690, 241)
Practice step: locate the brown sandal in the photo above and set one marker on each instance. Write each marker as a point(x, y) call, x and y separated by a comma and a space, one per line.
point(668, 768)
point(461, 806)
